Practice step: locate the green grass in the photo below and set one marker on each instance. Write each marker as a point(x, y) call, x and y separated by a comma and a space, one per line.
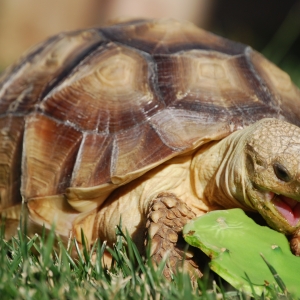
point(30, 268)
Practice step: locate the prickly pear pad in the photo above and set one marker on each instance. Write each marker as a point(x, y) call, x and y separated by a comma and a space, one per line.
point(236, 244)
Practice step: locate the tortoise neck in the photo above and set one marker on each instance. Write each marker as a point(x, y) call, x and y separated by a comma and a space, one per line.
point(219, 172)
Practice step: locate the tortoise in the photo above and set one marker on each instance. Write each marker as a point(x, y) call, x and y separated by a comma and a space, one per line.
point(152, 121)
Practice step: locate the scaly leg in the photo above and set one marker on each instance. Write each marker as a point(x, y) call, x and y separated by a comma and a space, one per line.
point(166, 217)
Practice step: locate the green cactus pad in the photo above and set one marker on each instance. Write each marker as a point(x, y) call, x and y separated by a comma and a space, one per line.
point(240, 250)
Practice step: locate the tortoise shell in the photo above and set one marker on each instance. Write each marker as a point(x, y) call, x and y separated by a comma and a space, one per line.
point(89, 110)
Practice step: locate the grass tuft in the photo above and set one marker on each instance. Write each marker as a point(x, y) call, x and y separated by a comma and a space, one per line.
point(42, 268)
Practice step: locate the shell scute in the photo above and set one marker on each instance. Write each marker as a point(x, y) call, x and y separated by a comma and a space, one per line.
point(50, 150)
point(180, 129)
point(216, 85)
point(25, 84)
point(135, 151)
point(111, 90)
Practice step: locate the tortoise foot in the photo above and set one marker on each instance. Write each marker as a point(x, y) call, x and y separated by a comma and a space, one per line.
point(295, 243)
point(166, 217)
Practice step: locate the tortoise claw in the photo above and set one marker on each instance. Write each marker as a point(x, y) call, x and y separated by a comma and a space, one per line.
point(166, 217)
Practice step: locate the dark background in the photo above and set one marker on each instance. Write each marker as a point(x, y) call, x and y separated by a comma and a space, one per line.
point(271, 27)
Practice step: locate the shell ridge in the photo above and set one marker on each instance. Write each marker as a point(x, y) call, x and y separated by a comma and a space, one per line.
point(38, 110)
point(153, 78)
point(78, 157)
point(114, 156)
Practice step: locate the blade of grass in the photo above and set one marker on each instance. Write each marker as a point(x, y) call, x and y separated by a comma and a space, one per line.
point(276, 276)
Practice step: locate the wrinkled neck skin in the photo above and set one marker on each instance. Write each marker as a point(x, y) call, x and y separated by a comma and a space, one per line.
point(220, 174)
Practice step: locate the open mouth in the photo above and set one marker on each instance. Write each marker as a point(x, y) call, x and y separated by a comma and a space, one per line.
point(289, 208)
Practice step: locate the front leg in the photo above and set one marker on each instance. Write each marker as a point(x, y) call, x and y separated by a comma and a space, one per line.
point(295, 243)
point(166, 217)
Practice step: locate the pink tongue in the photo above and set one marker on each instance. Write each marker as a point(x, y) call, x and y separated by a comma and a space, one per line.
point(289, 208)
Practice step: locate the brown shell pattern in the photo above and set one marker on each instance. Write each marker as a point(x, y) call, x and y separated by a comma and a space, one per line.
point(99, 107)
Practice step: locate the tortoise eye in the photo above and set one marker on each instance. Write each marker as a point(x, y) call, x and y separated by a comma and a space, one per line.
point(281, 172)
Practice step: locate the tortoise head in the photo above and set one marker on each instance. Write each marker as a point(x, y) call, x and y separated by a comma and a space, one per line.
point(272, 187)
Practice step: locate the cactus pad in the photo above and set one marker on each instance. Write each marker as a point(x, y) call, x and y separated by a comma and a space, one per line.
point(242, 251)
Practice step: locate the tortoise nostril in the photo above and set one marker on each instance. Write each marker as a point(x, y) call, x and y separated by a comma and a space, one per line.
point(281, 172)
